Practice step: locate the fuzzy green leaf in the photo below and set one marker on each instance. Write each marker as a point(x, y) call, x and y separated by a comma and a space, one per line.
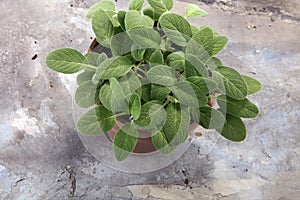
point(145, 38)
point(120, 44)
point(105, 96)
point(146, 92)
point(211, 118)
point(206, 85)
point(136, 4)
point(200, 95)
point(125, 141)
point(185, 94)
point(152, 115)
point(219, 42)
point(161, 75)
point(193, 62)
point(121, 18)
point(119, 101)
point(177, 124)
point(161, 6)
point(134, 20)
point(103, 26)
point(87, 94)
point(149, 11)
point(238, 108)
point(161, 143)
point(205, 38)
point(96, 121)
point(176, 28)
point(156, 58)
point(137, 53)
point(113, 67)
point(234, 84)
point(130, 83)
point(135, 106)
point(253, 86)
point(176, 60)
point(104, 5)
point(93, 59)
point(85, 77)
point(193, 10)
point(234, 129)
point(66, 60)
point(159, 92)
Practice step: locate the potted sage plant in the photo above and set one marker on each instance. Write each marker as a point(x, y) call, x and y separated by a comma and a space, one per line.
point(150, 74)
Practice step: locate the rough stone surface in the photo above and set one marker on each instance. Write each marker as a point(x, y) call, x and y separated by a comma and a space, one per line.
point(38, 139)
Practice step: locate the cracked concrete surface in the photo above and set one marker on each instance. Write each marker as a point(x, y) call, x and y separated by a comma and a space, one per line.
point(38, 138)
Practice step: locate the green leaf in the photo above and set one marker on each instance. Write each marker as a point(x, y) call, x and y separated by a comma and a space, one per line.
point(113, 67)
point(85, 77)
point(130, 83)
point(120, 44)
point(96, 121)
point(176, 60)
point(134, 20)
point(201, 96)
point(121, 18)
point(145, 38)
point(161, 143)
point(94, 59)
point(146, 92)
point(185, 94)
point(65, 60)
point(159, 92)
point(211, 118)
point(161, 6)
point(193, 10)
point(238, 108)
point(103, 26)
point(234, 129)
point(253, 86)
point(198, 52)
point(176, 28)
point(193, 62)
point(87, 94)
point(105, 96)
point(161, 75)
point(135, 106)
point(125, 141)
point(152, 115)
point(104, 5)
point(137, 53)
point(206, 85)
point(119, 101)
point(156, 58)
point(234, 83)
point(205, 38)
point(136, 4)
point(219, 42)
point(217, 62)
point(177, 124)
point(149, 11)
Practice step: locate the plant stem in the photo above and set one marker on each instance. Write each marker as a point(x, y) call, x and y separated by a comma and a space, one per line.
point(143, 71)
point(89, 66)
point(120, 114)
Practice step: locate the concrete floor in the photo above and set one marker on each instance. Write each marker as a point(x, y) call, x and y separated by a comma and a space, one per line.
point(38, 137)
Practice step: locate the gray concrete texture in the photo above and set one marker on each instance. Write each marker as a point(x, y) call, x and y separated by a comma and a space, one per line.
point(41, 154)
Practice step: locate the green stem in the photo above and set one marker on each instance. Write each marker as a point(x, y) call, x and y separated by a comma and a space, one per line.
point(120, 114)
point(143, 71)
point(89, 66)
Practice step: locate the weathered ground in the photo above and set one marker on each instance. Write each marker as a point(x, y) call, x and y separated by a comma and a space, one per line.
point(38, 138)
